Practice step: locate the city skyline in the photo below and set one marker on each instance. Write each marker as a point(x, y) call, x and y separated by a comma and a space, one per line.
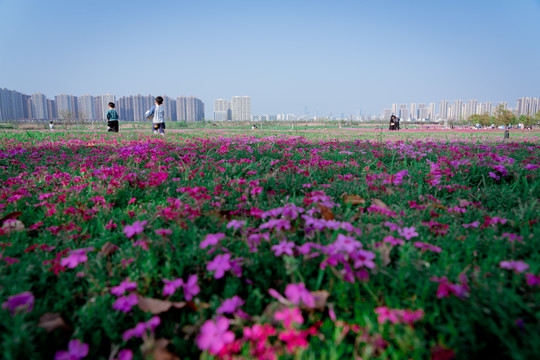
point(329, 57)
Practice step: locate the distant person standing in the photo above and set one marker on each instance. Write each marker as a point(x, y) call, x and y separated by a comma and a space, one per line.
point(157, 113)
point(392, 123)
point(112, 118)
point(51, 124)
point(396, 121)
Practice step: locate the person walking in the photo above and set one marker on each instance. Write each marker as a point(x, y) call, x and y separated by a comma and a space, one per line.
point(157, 113)
point(112, 118)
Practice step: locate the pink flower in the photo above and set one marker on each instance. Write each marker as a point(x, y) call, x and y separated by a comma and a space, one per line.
point(76, 351)
point(533, 280)
point(171, 286)
point(124, 286)
point(393, 241)
point(294, 339)
point(346, 244)
point(298, 292)
point(229, 306)
point(513, 237)
point(220, 264)
point(364, 258)
point(398, 316)
point(125, 303)
point(75, 257)
point(408, 232)
point(215, 335)
point(211, 239)
point(284, 247)
point(235, 224)
point(20, 302)
point(191, 288)
point(288, 316)
point(163, 232)
point(517, 266)
point(474, 224)
point(125, 354)
point(136, 228)
point(140, 328)
point(425, 246)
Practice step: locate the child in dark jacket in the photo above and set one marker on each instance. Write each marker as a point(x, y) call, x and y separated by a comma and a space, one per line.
point(112, 118)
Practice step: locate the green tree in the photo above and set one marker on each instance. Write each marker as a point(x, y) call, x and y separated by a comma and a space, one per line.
point(483, 119)
point(503, 116)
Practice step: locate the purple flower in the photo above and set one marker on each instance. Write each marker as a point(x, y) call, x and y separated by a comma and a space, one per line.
point(229, 306)
point(211, 239)
point(278, 224)
point(171, 286)
point(235, 224)
point(125, 303)
point(408, 232)
point(517, 266)
point(425, 246)
point(124, 286)
point(141, 327)
point(75, 257)
point(125, 354)
point(136, 228)
point(493, 175)
point(284, 247)
point(474, 224)
point(191, 288)
point(298, 292)
point(346, 244)
point(220, 264)
point(533, 280)
point(22, 301)
point(76, 350)
point(364, 258)
point(215, 335)
point(393, 241)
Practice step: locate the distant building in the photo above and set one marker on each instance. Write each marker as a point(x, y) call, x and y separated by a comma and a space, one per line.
point(39, 106)
point(222, 110)
point(13, 105)
point(189, 109)
point(241, 108)
point(66, 104)
point(86, 107)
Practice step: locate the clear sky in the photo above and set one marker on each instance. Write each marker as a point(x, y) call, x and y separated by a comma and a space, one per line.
point(340, 56)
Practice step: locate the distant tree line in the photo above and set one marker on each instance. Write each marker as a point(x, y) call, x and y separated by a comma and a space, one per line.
point(504, 117)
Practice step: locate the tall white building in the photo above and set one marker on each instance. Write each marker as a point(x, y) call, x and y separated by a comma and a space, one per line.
point(12, 105)
point(86, 107)
point(414, 111)
point(39, 106)
point(443, 109)
point(66, 104)
point(403, 112)
point(241, 108)
point(222, 110)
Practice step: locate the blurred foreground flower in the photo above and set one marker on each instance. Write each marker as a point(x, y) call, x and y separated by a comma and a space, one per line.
point(22, 301)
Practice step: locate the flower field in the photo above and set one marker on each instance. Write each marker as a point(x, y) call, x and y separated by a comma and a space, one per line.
point(216, 244)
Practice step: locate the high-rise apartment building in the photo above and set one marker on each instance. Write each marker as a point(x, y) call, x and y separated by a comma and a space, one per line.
point(395, 109)
point(189, 109)
point(12, 105)
point(86, 107)
point(241, 108)
point(443, 109)
point(169, 105)
point(222, 110)
point(527, 106)
point(39, 106)
point(66, 105)
point(403, 112)
point(414, 111)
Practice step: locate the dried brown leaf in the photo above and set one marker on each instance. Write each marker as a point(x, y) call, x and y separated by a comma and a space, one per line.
point(157, 306)
point(52, 321)
point(326, 213)
point(108, 249)
point(321, 298)
point(385, 250)
point(354, 200)
point(11, 215)
point(379, 203)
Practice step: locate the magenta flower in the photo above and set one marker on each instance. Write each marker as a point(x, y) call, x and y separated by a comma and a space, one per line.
point(346, 244)
point(125, 303)
point(425, 246)
point(284, 247)
point(136, 228)
point(288, 316)
point(408, 232)
point(215, 335)
point(474, 224)
point(220, 264)
point(517, 266)
point(171, 286)
point(235, 224)
point(393, 241)
point(191, 288)
point(140, 328)
point(75, 257)
point(211, 239)
point(20, 302)
point(124, 286)
point(125, 354)
point(364, 258)
point(298, 292)
point(76, 351)
point(533, 280)
point(163, 232)
point(229, 306)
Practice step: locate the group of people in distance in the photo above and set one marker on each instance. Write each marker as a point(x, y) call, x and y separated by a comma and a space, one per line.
point(394, 123)
point(156, 114)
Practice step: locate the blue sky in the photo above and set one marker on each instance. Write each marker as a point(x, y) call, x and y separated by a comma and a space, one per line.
point(336, 57)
